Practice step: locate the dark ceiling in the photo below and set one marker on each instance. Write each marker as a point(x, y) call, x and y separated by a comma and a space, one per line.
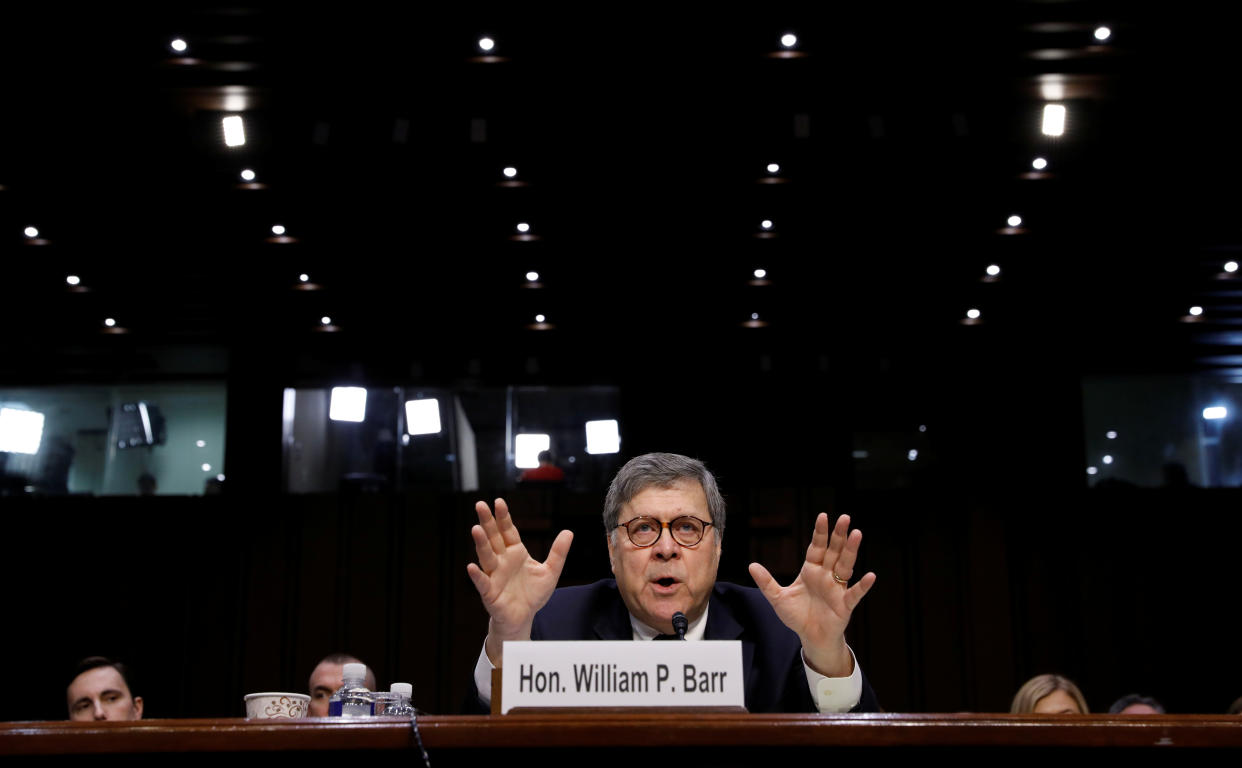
point(904, 135)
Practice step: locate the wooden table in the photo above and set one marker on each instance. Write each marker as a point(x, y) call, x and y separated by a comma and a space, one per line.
point(597, 739)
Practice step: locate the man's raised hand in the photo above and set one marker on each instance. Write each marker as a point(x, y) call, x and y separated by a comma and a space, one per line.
point(512, 584)
point(819, 603)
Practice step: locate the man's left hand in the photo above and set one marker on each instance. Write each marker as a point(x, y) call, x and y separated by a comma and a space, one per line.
point(816, 605)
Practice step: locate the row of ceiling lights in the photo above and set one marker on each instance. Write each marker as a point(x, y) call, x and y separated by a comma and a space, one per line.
point(234, 132)
point(487, 44)
point(1053, 125)
point(532, 277)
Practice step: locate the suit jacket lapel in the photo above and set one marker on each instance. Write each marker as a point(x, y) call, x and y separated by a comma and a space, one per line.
point(614, 624)
point(722, 625)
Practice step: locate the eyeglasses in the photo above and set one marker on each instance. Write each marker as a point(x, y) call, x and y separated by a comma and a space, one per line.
point(646, 531)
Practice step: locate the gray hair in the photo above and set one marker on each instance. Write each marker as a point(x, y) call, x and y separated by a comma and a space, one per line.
point(661, 470)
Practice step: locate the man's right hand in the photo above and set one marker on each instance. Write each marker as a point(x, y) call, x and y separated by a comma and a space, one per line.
point(513, 585)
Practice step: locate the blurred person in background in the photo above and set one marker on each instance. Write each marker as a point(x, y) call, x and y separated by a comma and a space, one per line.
point(327, 677)
point(1134, 704)
point(1049, 695)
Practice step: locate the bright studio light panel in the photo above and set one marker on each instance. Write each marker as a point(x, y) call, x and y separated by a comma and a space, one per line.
point(526, 448)
point(603, 436)
point(422, 417)
point(348, 404)
point(20, 431)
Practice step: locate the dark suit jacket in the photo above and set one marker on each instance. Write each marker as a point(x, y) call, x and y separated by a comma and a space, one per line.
point(771, 652)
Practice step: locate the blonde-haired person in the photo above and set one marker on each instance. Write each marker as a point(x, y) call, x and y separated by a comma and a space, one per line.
point(1049, 695)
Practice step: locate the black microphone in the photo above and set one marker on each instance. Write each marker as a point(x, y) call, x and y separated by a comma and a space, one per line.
point(680, 624)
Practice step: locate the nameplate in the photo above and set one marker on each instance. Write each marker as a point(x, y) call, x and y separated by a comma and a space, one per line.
point(622, 673)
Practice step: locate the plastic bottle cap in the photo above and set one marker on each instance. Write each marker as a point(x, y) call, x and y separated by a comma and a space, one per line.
point(405, 689)
point(354, 671)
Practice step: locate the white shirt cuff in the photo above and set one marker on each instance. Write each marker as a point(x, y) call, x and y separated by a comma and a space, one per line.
point(831, 694)
point(483, 676)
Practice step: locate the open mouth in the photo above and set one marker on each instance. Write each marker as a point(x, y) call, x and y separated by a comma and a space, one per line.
point(666, 586)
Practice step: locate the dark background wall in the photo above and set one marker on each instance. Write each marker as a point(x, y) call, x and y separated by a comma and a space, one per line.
point(995, 562)
point(975, 592)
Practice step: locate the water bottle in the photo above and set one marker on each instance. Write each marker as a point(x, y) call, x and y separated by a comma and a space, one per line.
point(401, 707)
point(352, 699)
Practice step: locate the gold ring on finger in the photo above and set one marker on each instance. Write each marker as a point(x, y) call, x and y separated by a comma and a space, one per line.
point(839, 580)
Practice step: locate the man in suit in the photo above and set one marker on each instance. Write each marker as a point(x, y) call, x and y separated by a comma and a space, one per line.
point(794, 652)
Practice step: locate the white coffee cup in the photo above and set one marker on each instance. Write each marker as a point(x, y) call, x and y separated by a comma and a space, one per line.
point(261, 706)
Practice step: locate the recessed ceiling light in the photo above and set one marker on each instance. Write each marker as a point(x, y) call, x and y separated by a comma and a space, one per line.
point(486, 43)
point(31, 232)
point(109, 322)
point(1014, 221)
point(510, 172)
point(754, 315)
point(1103, 33)
point(1054, 119)
point(761, 273)
point(1107, 459)
point(73, 280)
point(278, 229)
point(1092, 470)
point(766, 224)
point(973, 314)
point(1111, 434)
point(1215, 412)
point(1039, 163)
point(247, 175)
point(325, 320)
point(1231, 266)
point(789, 40)
point(539, 318)
point(1196, 311)
point(523, 227)
point(532, 276)
point(774, 168)
point(201, 443)
point(993, 270)
point(912, 454)
point(305, 278)
point(234, 131)
point(178, 45)
point(206, 467)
